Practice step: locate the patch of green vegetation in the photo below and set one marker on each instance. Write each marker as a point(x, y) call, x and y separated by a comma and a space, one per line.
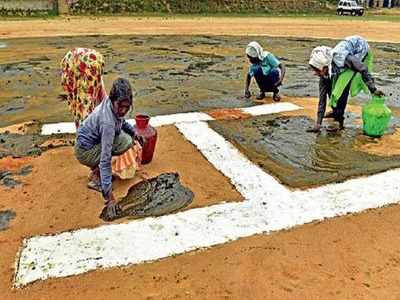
point(17, 14)
point(331, 15)
point(184, 6)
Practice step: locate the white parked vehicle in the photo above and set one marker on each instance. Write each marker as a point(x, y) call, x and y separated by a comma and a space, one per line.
point(349, 7)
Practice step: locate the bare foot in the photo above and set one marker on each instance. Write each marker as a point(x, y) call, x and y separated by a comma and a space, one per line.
point(260, 96)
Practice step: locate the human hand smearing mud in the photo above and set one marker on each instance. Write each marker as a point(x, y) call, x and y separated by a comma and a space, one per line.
point(112, 207)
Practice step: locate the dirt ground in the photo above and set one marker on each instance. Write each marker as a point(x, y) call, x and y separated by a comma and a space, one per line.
point(379, 31)
point(351, 257)
point(62, 202)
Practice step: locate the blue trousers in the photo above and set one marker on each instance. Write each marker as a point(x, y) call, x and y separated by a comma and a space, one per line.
point(266, 83)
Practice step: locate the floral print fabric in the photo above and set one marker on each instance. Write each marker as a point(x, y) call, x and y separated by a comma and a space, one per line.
point(81, 77)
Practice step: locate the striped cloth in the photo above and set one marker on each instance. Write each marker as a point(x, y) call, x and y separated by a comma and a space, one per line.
point(126, 164)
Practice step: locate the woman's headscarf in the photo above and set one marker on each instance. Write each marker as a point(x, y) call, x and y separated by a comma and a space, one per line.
point(351, 45)
point(321, 57)
point(255, 50)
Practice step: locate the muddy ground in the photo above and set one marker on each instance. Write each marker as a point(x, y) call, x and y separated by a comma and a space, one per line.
point(170, 73)
point(352, 257)
point(281, 146)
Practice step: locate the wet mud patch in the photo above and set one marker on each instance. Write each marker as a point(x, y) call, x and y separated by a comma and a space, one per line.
point(13, 106)
point(354, 121)
point(391, 87)
point(158, 196)
point(211, 69)
point(210, 40)
point(283, 148)
point(389, 48)
point(7, 177)
point(199, 66)
point(21, 145)
point(5, 217)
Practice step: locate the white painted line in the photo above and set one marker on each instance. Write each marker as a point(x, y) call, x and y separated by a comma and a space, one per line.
point(69, 127)
point(250, 180)
point(269, 207)
point(54, 128)
point(178, 118)
point(273, 108)
point(78, 252)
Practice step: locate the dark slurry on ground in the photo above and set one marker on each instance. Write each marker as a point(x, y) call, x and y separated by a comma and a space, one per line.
point(283, 148)
point(158, 196)
point(170, 73)
point(5, 218)
point(20, 145)
point(7, 177)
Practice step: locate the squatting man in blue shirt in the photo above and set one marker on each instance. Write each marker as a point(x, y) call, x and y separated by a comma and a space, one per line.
point(105, 133)
point(266, 69)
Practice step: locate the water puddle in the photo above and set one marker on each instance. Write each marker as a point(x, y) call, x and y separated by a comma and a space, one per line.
point(282, 147)
point(158, 196)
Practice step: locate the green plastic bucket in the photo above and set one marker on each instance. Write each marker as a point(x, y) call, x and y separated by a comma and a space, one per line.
point(376, 117)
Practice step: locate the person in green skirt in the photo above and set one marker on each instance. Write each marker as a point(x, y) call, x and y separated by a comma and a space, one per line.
point(344, 70)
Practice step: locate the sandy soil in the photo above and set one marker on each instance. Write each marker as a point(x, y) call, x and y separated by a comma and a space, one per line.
point(353, 257)
point(383, 31)
point(50, 199)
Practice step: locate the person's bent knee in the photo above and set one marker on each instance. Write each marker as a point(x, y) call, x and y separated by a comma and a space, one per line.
point(122, 143)
point(86, 157)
